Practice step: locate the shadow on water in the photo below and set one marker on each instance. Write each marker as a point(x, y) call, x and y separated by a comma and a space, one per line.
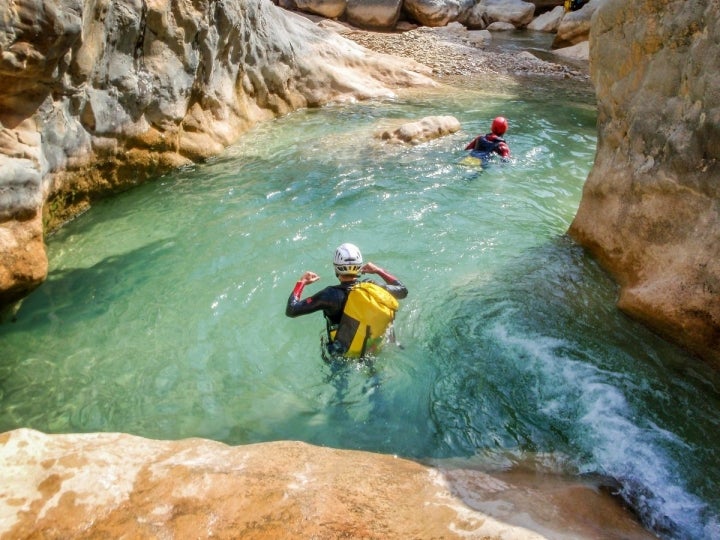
point(50, 378)
point(72, 296)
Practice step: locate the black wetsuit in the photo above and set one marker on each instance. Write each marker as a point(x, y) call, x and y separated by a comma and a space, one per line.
point(487, 144)
point(331, 300)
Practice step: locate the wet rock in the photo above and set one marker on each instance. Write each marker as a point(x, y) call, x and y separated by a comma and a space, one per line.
point(148, 88)
point(430, 127)
point(479, 38)
point(501, 26)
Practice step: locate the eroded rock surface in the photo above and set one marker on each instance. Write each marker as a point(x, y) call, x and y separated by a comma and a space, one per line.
point(99, 96)
point(650, 209)
point(107, 485)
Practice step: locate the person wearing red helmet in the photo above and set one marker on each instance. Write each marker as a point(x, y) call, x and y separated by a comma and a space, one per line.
point(492, 142)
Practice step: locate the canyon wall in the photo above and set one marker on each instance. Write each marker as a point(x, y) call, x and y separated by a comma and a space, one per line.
point(99, 95)
point(650, 209)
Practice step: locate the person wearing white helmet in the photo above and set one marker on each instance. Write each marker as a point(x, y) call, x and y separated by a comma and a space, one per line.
point(358, 312)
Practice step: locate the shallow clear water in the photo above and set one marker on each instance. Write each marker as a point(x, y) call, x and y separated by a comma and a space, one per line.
point(163, 314)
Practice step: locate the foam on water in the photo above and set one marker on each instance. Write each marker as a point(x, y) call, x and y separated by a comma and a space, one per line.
point(618, 440)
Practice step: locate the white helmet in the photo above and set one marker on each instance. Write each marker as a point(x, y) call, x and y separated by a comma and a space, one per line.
point(348, 260)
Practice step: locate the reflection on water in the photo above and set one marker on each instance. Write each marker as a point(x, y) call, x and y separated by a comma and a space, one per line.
point(163, 314)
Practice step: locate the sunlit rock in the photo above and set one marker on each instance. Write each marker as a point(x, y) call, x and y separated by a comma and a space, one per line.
point(437, 12)
point(575, 25)
point(650, 209)
point(516, 13)
point(374, 14)
point(109, 485)
point(326, 8)
point(430, 127)
point(548, 21)
point(580, 51)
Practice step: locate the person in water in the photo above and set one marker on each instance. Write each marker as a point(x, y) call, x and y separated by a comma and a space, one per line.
point(492, 143)
point(350, 321)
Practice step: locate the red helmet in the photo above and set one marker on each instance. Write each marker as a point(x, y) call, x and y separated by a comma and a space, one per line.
point(499, 125)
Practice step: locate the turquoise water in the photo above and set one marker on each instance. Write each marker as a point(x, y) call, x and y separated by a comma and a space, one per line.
point(163, 314)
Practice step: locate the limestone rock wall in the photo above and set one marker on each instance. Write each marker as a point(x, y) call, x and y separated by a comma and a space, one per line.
point(99, 95)
point(650, 208)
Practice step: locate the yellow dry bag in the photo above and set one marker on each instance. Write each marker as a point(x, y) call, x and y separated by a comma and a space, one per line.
point(369, 312)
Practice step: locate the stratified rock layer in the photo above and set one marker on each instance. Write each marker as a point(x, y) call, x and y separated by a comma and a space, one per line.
point(97, 96)
point(107, 485)
point(650, 208)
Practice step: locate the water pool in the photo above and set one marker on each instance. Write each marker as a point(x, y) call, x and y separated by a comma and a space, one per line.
point(163, 314)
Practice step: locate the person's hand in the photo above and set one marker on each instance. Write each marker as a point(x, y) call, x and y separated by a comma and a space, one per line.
point(369, 268)
point(309, 277)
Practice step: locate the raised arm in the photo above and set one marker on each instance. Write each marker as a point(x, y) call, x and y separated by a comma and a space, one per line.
point(393, 284)
point(295, 306)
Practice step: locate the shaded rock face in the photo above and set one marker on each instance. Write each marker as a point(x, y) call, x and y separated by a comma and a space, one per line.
point(98, 96)
point(108, 485)
point(650, 209)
